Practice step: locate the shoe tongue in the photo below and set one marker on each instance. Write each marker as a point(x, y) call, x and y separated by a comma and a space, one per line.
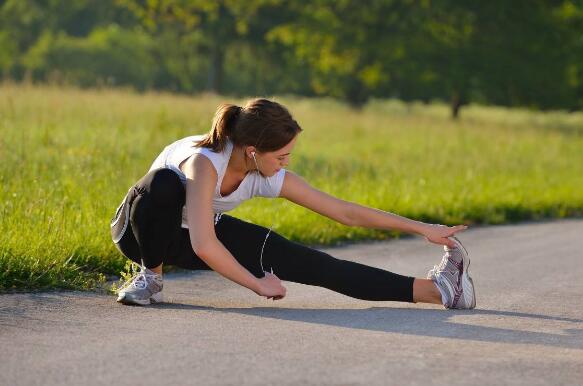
point(449, 248)
point(140, 282)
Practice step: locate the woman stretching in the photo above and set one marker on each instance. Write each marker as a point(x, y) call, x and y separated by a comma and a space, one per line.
point(174, 216)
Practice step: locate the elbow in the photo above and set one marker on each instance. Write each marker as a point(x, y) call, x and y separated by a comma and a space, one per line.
point(198, 251)
point(203, 249)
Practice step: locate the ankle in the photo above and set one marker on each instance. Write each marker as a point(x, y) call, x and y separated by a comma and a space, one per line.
point(154, 273)
point(157, 270)
point(426, 291)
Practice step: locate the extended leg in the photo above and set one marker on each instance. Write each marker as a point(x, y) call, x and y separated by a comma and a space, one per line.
point(298, 263)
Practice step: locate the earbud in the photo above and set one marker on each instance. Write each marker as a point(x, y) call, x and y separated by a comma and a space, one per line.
point(255, 159)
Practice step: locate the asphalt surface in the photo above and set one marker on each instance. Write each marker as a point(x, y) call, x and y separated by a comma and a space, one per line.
point(527, 328)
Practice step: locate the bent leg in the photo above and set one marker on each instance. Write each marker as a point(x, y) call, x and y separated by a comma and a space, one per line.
point(156, 214)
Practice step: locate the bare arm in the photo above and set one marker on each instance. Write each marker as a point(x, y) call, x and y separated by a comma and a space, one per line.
point(349, 213)
point(201, 179)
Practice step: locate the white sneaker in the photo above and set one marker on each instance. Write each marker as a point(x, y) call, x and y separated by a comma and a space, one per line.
point(145, 287)
point(452, 278)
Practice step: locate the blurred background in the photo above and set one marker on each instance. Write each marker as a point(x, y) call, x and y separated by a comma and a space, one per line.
point(92, 90)
point(511, 53)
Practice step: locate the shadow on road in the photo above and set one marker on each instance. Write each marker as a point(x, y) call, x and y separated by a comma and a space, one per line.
point(459, 324)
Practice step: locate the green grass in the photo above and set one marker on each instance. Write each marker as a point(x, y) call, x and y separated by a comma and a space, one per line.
point(68, 157)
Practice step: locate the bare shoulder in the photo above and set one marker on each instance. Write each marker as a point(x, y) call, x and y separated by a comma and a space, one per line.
point(198, 166)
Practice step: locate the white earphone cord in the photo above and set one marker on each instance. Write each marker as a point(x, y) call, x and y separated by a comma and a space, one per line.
point(270, 228)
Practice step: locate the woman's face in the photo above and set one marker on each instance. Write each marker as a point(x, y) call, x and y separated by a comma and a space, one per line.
point(272, 162)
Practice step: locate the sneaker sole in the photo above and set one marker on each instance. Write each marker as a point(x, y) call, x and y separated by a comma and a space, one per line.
point(468, 283)
point(466, 279)
point(156, 298)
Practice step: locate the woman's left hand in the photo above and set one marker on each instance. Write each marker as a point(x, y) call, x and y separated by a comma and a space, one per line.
point(439, 234)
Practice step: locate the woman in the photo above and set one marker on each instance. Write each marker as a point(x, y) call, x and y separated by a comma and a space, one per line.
point(173, 216)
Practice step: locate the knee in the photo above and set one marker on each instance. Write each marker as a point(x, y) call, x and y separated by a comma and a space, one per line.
point(166, 188)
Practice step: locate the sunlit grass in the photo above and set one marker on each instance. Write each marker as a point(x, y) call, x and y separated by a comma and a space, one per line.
point(69, 156)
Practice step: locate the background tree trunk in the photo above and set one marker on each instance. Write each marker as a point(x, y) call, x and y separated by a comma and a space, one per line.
point(215, 74)
point(457, 101)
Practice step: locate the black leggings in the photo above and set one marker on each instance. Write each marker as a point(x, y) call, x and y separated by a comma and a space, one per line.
point(147, 225)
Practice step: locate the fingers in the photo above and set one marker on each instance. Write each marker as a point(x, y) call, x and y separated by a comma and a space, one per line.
point(459, 228)
point(443, 232)
point(455, 229)
point(272, 276)
point(272, 288)
point(444, 241)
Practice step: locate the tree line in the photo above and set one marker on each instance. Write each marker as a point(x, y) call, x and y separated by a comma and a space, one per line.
point(510, 53)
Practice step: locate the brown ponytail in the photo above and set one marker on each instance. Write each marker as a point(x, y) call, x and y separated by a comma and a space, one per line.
point(223, 123)
point(262, 123)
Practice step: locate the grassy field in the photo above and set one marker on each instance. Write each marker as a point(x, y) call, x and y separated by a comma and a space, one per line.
point(68, 157)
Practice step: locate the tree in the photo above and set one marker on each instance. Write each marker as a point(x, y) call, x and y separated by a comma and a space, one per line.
point(210, 27)
point(24, 22)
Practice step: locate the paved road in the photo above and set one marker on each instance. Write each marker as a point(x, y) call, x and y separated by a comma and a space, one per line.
point(527, 329)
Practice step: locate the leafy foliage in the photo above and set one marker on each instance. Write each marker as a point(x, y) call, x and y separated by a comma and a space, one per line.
point(519, 53)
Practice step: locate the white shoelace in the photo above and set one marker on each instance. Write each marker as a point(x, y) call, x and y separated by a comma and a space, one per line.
point(437, 269)
point(442, 264)
point(139, 277)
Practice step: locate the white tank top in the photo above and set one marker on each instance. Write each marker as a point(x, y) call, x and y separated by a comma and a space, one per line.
point(254, 184)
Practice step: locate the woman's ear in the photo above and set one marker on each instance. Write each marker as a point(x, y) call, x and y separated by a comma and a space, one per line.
point(250, 151)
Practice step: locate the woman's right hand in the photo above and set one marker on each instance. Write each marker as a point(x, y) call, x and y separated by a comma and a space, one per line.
point(439, 234)
point(270, 287)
